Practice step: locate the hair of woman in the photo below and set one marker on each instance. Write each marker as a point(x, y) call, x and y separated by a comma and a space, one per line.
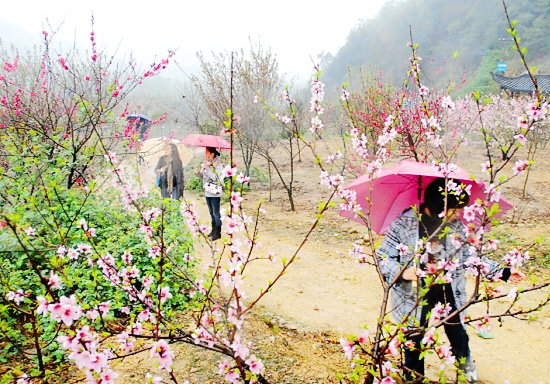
point(213, 150)
point(434, 197)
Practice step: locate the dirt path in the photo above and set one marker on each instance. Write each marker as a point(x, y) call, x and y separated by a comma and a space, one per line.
point(326, 290)
point(325, 294)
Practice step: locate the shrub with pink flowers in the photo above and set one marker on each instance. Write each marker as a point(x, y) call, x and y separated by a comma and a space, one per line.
point(84, 247)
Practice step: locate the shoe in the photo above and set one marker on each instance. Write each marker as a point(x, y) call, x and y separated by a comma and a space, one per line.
point(216, 233)
point(469, 370)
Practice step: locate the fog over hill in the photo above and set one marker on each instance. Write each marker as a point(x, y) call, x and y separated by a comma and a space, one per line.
point(11, 33)
point(474, 29)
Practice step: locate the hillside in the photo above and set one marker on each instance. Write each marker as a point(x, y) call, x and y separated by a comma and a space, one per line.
point(472, 28)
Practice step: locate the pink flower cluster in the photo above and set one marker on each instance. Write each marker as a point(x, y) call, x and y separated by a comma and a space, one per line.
point(284, 119)
point(472, 211)
point(128, 194)
point(414, 70)
point(11, 67)
point(476, 265)
point(164, 354)
point(447, 169)
point(389, 133)
point(520, 166)
point(493, 193)
point(239, 348)
point(254, 364)
point(349, 347)
point(484, 325)
point(317, 96)
point(356, 251)
point(16, 296)
point(334, 181)
point(65, 310)
point(231, 375)
point(156, 68)
point(515, 258)
point(234, 223)
point(440, 311)
point(447, 102)
point(94, 50)
point(191, 219)
point(345, 95)
point(445, 354)
point(63, 63)
point(84, 351)
point(423, 90)
point(537, 111)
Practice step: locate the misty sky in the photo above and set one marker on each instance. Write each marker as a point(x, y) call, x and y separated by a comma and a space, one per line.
point(293, 29)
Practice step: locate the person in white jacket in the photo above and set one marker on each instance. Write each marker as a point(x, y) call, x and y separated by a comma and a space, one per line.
point(212, 181)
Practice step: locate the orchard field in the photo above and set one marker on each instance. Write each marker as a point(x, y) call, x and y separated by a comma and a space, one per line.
point(103, 281)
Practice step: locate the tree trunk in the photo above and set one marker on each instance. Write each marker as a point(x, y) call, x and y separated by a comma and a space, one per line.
point(270, 179)
point(291, 199)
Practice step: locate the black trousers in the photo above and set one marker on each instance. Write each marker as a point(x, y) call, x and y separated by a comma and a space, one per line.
point(456, 333)
point(214, 209)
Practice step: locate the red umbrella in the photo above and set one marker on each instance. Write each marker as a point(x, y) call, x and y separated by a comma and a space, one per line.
point(402, 186)
point(200, 140)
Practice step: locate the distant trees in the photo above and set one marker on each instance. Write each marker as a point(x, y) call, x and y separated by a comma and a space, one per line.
point(286, 136)
point(254, 72)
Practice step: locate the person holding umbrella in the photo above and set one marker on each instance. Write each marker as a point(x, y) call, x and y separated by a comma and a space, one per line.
point(169, 171)
point(394, 257)
point(212, 181)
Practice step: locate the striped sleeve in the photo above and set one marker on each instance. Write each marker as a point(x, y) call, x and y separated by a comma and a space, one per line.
point(388, 254)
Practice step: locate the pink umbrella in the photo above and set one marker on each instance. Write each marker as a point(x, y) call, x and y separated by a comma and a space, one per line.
point(200, 140)
point(402, 186)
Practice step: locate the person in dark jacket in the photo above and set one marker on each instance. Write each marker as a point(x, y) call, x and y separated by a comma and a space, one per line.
point(169, 171)
point(405, 231)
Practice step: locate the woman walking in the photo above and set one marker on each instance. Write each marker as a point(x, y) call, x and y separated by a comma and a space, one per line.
point(212, 181)
point(169, 171)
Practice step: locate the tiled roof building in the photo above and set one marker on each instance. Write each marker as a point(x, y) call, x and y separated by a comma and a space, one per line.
point(522, 84)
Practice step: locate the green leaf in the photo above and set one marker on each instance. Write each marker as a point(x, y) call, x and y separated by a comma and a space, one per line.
point(35, 372)
point(494, 210)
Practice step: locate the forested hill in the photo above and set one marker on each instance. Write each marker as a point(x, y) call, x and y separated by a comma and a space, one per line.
point(474, 28)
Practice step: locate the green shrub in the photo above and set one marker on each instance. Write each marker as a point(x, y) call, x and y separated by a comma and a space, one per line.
point(27, 261)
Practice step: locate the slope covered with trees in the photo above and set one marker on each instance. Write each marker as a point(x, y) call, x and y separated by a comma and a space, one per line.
point(462, 36)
